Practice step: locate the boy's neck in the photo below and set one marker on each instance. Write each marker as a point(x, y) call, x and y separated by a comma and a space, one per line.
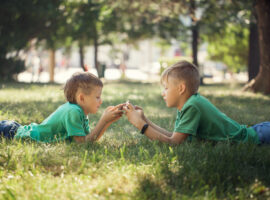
point(183, 101)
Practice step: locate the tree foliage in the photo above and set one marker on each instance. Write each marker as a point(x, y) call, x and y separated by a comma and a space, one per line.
point(21, 21)
point(230, 47)
point(227, 33)
point(63, 23)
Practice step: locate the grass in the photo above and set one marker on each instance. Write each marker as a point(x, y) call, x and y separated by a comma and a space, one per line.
point(125, 164)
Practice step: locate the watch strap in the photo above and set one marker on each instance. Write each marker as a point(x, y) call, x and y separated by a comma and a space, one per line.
point(145, 126)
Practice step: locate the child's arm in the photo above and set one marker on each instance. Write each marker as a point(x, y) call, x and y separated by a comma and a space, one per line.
point(98, 131)
point(135, 117)
point(110, 115)
point(95, 134)
point(161, 130)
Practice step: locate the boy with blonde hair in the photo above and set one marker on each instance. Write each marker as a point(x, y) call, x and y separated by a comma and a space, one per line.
point(70, 120)
point(196, 115)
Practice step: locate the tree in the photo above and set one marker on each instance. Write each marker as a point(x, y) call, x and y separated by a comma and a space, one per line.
point(91, 23)
point(254, 50)
point(230, 47)
point(21, 21)
point(219, 28)
point(150, 18)
point(262, 81)
point(55, 32)
point(80, 21)
point(195, 32)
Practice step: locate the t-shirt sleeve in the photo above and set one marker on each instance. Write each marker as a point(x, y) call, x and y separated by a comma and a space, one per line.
point(74, 123)
point(86, 124)
point(188, 121)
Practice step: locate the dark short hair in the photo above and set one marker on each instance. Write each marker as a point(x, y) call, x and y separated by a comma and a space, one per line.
point(186, 71)
point(80, 80)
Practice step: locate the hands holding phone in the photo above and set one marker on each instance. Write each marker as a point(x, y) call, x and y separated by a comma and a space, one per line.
point(134, 114)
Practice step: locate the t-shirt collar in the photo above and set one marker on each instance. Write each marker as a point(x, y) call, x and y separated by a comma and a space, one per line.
point(189, 99)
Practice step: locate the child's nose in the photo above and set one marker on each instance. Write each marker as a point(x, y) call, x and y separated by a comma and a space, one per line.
point(101, 101)
point(163, 93)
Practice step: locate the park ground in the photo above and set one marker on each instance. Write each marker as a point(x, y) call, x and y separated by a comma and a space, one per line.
point(124, 164)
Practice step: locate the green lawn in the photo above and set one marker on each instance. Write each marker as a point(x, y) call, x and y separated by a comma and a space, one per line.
point(125, 164)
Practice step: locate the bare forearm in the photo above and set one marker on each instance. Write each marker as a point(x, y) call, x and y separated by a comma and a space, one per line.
point(103, 130)
point(98, 131)
point(157, 128)
point(176, 138)
point(152, 133)
point(155, 134)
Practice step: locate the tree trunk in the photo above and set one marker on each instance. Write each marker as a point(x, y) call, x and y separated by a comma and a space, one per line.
point(254, 50)
point(96, 57)
point(262, 81)
point(81, 52)
point(195, 35)
point(52, 64)
point(96, 52)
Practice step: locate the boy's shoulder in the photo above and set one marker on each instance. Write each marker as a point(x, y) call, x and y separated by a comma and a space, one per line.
point(193, 99)
point(196, 100)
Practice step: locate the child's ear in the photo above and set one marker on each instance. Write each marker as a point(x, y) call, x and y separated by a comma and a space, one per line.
point(81, 97)
point(181, 88)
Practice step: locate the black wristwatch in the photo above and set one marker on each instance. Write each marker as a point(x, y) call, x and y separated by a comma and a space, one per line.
point(144, 128)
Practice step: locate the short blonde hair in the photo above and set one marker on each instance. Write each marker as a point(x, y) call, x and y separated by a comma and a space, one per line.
point(185, 71)
point(80, 80)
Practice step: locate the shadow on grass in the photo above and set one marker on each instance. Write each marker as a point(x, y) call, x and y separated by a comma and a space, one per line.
point(191, 169)
point(150, 190)
point(242, 109)
point(221, 170)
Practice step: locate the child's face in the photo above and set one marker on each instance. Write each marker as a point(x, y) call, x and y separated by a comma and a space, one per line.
point(171, 93)
point(90, 103)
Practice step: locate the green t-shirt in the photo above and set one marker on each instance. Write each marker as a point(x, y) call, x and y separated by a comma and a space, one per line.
point(67, 121)
point(202, 119)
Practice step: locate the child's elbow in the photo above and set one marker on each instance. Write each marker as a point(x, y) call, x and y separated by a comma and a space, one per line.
point(175, 142)
point(79, 139)
point(177, 138)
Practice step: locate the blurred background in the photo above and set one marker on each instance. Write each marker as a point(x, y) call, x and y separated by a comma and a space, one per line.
point(48, 40)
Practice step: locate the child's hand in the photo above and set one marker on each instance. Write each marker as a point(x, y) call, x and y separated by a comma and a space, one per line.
point(135, 116)
point(138, 108)
point(120, 106)
point(140, 111)
point(112, 114)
